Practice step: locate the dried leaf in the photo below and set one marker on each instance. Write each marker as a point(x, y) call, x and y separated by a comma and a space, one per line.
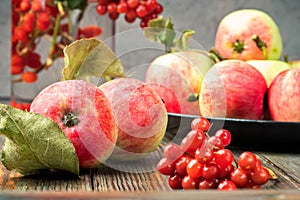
point(34, 142)
point(90, 57)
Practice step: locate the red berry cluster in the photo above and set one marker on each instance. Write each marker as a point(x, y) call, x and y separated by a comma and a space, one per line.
point(32, 21)
point(132, 9)
point(203, 162)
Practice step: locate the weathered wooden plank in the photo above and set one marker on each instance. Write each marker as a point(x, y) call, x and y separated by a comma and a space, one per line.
point(203, 195)
point(44, 181)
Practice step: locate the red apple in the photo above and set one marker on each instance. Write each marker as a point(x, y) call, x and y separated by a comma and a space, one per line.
point(168, 96)
point(269, 68)
point(284, 96)
point(182, 73)
point(84, 114)
point(233, 89)
point(140, 114)
point(248, 34)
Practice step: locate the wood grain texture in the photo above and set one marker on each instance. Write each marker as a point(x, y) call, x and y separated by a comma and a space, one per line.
point(142, 176)
point(203, 195)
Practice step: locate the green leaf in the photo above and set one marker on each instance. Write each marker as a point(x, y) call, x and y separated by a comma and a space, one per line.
point(162, 31)
point(90, 57)
point(183, 42)
point(34, 142)
point(155, 26)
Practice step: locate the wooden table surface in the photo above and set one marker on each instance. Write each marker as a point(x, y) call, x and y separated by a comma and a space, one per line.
point(135, 182)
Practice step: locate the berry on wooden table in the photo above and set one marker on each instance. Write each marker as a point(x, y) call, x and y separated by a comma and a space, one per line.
point(202, 161)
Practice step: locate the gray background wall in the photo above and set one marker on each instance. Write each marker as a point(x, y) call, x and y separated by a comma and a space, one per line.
point(134, 50)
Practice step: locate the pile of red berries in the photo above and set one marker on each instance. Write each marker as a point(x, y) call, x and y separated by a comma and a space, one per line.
point(203, 162)
point(132, 9)
point(32, 22)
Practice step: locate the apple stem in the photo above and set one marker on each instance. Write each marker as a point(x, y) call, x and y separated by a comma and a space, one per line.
point(70, 119)
point(215, 55)
point(261, 45)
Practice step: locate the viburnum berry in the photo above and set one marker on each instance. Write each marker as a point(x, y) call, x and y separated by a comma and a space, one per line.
point(101, 9)
point(210, 171)
point(151, 5)
point(223, 158)
point(172, 151)
point(36, 5)
point(174, 181)
point(181, 164)
point(130, 16)
point(29, 77)
point(259, 176)
point(224, 135)
point(133, 3)
point(208, 184)
point(189, 183)
point(239, 177)
point(90, 31)
point(200, 123)
point(226, 185)
point(122, 7)
point(193, 140)
point(247, 161)
point(113, 16)
point(159, 8)
point(166, 167)
point(211, 166)
point(19, 34)
point(205, 154)
point(141, 11)
point(25, 6)
point(112, 7)
point(194, 169)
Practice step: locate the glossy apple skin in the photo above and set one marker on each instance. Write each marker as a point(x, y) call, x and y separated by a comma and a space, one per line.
point(284, 96)
point(269, 68)
point(233, 89)
point(182, 73)
point(168, 96)
point(140, 114)
point(242, 25)
point(95, 135)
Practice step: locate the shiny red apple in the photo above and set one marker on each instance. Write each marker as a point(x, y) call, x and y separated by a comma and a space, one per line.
point(140, 114)
point(85, 116)
point(233, 89)
point(182, 74)
point(284, 96)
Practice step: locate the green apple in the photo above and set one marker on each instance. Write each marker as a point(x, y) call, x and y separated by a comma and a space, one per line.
point(295, 63)
point(248, 34)
point(269, 68)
